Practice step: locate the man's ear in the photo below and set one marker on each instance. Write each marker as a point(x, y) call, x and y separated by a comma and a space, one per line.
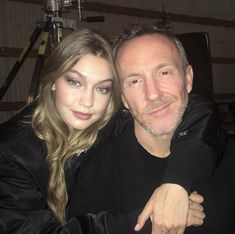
point(125, 103)
point(189, 78)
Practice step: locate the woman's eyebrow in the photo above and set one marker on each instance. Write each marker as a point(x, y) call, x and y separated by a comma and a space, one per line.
point(99, 82)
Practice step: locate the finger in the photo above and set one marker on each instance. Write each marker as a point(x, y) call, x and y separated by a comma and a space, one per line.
point(194, 196)
point(144, 215)
point(196, 218)
point(198, 221)
point(198, 214)
point(195, 206)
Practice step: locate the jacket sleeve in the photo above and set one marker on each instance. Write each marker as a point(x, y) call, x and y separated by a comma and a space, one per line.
point(23, 208)
point(198, 144)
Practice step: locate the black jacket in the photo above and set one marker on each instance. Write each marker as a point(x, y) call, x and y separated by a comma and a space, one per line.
point(23, 188)
point(24, 173)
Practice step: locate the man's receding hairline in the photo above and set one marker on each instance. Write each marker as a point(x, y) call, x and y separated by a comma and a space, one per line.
point(154, 34)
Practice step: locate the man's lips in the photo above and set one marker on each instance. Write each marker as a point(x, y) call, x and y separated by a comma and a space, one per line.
point(159, 110)
point(82, 115)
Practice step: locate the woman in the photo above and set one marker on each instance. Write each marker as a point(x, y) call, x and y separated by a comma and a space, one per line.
point(78, 94)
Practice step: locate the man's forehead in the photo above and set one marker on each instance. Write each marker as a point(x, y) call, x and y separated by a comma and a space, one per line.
point(146, 50)
point(144, 42)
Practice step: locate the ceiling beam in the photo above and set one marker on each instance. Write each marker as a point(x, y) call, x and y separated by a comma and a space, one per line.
point(114, 9)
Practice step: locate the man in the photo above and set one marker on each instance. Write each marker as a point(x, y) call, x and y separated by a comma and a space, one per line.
point(155, 79)
point(161, 80)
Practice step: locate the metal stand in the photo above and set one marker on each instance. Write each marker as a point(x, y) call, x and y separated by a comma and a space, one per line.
point(51, 28)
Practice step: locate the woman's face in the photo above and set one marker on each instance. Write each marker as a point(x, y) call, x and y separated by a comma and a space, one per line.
point(83, 93)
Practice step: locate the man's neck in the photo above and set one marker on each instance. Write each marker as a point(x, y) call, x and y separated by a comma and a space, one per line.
point(158, 146)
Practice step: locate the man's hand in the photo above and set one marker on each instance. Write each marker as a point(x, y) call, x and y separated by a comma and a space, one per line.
point(168, 208)
point(196, 215)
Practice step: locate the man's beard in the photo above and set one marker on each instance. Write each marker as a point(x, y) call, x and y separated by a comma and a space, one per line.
point(160, 101)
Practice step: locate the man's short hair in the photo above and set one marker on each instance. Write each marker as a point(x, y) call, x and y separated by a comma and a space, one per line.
point(146, 29)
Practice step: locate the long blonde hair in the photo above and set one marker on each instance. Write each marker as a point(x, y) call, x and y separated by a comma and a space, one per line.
point(62, 141)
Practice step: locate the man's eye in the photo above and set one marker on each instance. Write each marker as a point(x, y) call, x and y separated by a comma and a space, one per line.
point(104, 90)
point(134, 82)
point(165, 73)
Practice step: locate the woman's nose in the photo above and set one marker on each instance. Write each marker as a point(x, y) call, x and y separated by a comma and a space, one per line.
point(87, 98)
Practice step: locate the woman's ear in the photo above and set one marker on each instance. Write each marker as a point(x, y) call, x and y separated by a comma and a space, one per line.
point(53, 87)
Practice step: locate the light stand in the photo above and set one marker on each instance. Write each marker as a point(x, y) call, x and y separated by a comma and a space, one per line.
point(51, 28)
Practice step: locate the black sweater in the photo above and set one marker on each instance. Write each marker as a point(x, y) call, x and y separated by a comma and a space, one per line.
point(122, 177)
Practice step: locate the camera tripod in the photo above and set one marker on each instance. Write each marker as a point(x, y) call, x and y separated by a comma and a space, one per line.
point(51, 31)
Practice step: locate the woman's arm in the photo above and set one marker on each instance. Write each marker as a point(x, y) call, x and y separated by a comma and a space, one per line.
point(23, 208)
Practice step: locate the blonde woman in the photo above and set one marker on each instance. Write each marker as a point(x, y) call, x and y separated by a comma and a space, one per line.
point(78, 93)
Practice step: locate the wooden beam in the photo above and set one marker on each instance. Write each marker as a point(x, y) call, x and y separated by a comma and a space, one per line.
point(114, 9)
point(15, 52)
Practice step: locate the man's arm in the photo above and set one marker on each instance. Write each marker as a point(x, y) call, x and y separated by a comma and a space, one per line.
point(197, 147)
point(198, 144)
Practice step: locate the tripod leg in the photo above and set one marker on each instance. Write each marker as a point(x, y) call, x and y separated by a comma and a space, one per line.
point(52, 35)
point(20, 60)
point(39, 63)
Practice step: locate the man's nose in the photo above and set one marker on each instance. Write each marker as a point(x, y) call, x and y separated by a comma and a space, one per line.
point(87, 98)
point(152, 89)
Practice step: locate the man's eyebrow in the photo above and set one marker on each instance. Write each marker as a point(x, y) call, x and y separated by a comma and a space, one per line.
point(157, 67)
point(131, 75)
point(164, 65)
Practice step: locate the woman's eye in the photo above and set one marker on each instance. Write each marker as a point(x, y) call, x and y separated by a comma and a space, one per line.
point(104, 90)
point(73, 82)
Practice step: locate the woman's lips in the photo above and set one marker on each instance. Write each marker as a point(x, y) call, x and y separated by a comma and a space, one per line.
point(82, 115)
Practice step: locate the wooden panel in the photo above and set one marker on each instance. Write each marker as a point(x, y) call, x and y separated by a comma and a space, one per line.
point(15, 52)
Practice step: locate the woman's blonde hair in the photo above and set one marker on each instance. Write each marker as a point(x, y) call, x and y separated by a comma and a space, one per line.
point(62, 141)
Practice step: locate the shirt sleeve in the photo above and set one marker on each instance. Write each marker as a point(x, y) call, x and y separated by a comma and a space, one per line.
point(198, 144)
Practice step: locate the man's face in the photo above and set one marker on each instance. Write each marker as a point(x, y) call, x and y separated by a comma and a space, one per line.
point(154, 85)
